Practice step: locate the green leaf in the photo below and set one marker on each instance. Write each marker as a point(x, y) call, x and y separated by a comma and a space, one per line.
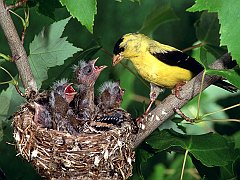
point(48, 49)
point(200, 5)
point(207, 29)
point(157, 17)
point(65, 70)
point(12, 101)
point(211, 149)
point(1, 130)
point(158, 172)
point(46, 8)
point(83, 10)
point(236, 137)
point(228, 12)
point(204, 171)
point(232, 75)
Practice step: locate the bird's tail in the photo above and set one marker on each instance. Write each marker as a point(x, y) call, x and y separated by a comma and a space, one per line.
point(225, 85)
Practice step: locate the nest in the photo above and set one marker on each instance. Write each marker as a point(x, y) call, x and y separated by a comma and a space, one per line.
point(59, 155)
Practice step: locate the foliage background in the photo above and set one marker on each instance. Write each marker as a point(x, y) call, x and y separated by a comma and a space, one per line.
point(178, 28)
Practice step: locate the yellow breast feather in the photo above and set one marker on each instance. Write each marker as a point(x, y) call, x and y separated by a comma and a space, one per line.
point(159, 73)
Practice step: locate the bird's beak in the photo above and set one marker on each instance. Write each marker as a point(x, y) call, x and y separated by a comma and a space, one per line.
point(69, 90)
point(117, 58)
point(97, 68)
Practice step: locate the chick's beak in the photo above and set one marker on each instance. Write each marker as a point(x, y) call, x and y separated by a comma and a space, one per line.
point(97, 68)
point(69, 92)
point(117, 58)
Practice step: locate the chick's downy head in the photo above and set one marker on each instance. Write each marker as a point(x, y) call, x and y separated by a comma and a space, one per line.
point(111, 94)
point(87, 72)
point(129, 46)
point(62, 89)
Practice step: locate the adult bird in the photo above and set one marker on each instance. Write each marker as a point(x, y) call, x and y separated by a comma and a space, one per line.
point(161, 65)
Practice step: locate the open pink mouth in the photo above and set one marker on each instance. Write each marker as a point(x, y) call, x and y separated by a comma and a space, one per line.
point(69, 90)
point(99, 68)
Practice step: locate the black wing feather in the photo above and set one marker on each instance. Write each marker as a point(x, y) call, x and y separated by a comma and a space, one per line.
point(117, 49)
point(178, 58)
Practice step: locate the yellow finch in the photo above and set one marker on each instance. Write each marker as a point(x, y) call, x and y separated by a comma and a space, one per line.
point(162, 65)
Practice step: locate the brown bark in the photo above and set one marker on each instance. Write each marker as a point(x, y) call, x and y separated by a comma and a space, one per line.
point(19, 54)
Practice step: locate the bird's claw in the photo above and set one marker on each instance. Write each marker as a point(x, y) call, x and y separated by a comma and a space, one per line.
point(140, 121)
point(177, 89)
point(182, 115)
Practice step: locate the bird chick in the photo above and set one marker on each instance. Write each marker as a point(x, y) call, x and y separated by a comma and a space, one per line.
point(109, 101)
point(61, 96)
point(161, 65)
point(86, 75)
point(42, 115)
point(111, 95)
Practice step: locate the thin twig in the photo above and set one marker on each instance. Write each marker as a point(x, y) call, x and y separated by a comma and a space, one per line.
point(183, 166)
point(18, 4)
point(193, 47)
point(225, 109)
point(19, 91)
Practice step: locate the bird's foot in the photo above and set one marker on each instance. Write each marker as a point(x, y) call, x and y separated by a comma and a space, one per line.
point(140, 121)
point(178, 88)
point(182, 115)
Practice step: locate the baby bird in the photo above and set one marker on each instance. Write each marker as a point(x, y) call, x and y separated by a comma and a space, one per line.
point(86, 75)
point(60, 97)
point(111, 95)
point(42, 115)
point(109, 101)
point(162, 65)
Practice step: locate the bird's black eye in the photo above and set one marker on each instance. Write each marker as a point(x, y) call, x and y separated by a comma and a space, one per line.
point(87, 70)
point(116, 90)
point(117, 49)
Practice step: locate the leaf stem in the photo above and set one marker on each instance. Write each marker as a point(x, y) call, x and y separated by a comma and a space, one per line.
point(193, 47)
point(13, 81)
point(221, 120)
point(184, 163)
point(23, 22)
point(199, 96)
point(6, 82)
point(6, 57)
point(225, 109)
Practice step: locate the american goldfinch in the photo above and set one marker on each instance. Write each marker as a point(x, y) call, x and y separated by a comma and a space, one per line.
point(162, 65)
point(86, 74)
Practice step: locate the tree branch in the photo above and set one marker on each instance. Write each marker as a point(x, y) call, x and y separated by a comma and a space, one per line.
point(166, 108)
point(18, 4)
point(18, 52)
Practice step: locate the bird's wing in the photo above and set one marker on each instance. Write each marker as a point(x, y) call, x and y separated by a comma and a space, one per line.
point(174, 57)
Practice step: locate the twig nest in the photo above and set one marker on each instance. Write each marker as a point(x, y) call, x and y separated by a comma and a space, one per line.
point(59, 155)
